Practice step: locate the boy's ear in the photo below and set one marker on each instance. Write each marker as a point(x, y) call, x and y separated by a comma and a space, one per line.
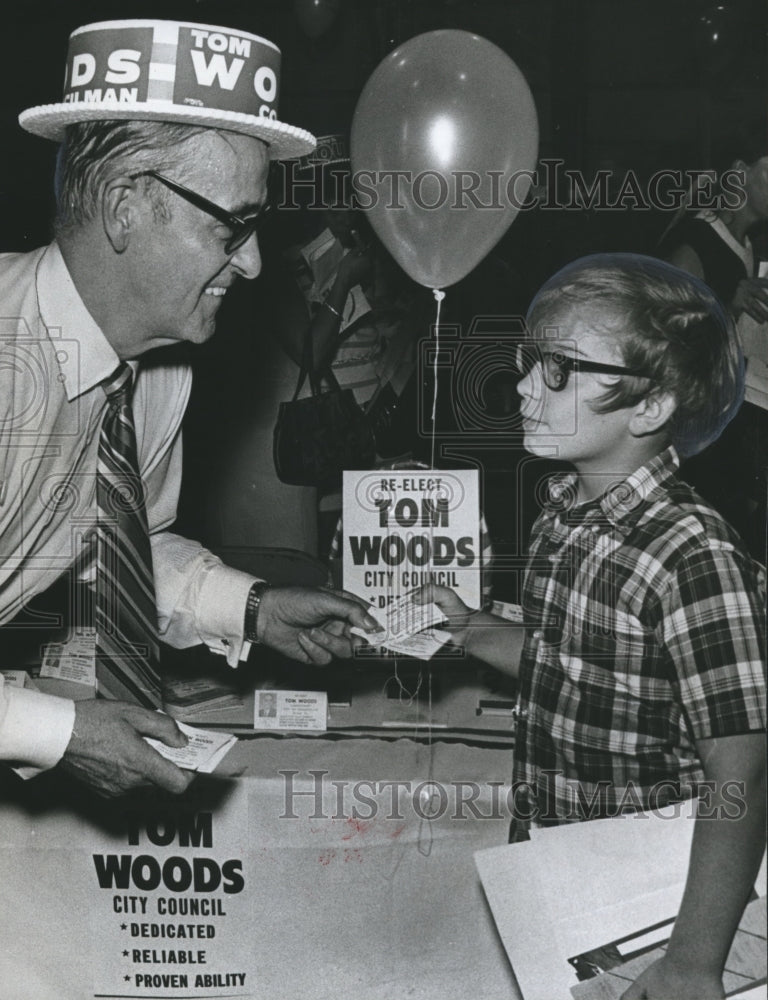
point(118, 213)
point(651, 414)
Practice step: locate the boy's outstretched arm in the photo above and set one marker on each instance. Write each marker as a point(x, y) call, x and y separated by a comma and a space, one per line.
point(725, 857)
point(489, 638)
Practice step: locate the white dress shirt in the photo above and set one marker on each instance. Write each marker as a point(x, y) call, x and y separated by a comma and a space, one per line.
point(53, 357)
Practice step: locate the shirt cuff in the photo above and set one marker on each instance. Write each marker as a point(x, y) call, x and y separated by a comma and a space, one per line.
point(221, 620)
point(36, 729)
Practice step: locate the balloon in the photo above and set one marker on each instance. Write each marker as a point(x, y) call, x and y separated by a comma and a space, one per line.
point(453, 114)
point(316, 16)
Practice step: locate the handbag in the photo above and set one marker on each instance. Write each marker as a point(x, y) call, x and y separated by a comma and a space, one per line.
point(317, 437)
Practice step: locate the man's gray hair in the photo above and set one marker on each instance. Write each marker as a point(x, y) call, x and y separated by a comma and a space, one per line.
point(94, 152)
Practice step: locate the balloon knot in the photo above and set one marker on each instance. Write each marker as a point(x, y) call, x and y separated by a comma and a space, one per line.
point(439, 294)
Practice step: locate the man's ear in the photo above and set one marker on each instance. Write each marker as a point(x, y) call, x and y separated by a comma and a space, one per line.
point(651, 414)
point(118, 211)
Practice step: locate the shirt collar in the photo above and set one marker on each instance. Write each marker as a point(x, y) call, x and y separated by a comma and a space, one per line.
point(621, 503)
point(84, 355)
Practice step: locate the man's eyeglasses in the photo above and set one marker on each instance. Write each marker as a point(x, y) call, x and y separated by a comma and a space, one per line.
point(556, 367)
point(242, 229)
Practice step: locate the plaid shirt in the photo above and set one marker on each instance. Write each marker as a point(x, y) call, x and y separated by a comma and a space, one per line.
point(644, 633)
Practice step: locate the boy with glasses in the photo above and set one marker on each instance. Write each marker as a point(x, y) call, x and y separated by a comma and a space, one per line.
point(641, 662)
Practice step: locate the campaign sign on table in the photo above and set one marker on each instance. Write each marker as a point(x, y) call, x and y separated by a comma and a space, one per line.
point(170, 903)
point(409, 527)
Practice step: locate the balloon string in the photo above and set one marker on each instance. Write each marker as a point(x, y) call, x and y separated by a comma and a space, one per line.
point(424, 844)
point(439, 296)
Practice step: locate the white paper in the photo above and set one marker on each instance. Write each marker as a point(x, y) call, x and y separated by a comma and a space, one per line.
point(18, 678)
point(302, 710)
point(402, 619)
point(203, 752)
point(422, 646)
point(584, 886)
point(407, 629)
point(74, 660)
point(509, 612)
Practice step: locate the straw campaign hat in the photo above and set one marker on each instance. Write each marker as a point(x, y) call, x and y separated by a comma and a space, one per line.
point(175, 71)
point(331, 150)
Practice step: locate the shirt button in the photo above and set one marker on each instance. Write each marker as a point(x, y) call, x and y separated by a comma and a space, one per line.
point(520, 713)
point(538, 635)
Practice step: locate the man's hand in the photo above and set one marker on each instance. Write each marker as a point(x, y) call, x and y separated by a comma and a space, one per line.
point(752, 298)
point(107, 751)
point(310, 625)
point(664, 980)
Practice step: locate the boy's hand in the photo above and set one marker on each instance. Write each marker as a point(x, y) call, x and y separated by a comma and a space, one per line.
point(666, 979)
point(456, 612)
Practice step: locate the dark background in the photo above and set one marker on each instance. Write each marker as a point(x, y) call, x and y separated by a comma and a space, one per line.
point(646, 84)
point(620, 84)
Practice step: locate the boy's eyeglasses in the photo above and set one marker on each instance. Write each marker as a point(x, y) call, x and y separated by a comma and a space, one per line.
point(242, 229)
point(556, 367)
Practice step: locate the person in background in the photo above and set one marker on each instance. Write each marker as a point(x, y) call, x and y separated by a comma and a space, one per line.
point(641, 663)
point(714, 244)
point(159, 197)
point(341, 291)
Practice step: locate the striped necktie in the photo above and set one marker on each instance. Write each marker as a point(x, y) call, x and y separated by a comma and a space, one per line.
point(127, 650)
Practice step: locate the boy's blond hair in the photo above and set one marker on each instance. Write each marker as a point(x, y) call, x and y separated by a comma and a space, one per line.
point(669, 324)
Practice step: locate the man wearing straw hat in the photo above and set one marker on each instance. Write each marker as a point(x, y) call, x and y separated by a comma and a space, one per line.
point(167, 130)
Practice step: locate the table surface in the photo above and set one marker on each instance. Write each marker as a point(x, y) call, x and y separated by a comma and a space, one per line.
point(384, 906)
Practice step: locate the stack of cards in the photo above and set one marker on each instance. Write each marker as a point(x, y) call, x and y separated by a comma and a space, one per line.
point(203, 753)
point(408, 629)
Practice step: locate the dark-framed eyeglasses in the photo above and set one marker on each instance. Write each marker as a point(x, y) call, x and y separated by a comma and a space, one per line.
point(556, 367)
point(242, 228)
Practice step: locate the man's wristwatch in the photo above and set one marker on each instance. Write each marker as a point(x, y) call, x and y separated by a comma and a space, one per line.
point(252, 604)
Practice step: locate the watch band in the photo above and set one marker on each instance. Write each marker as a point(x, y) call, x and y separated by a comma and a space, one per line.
point(252, 604)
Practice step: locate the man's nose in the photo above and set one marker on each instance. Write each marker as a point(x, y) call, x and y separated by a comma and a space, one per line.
point(247, 259)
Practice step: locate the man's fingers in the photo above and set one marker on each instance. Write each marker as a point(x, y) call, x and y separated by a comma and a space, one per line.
point(363, 620)
point(108, 750)
point(321, 645)
point(317, 650)
point(357, 615)
point(338, 646)
point(336, 627)
point(347, 596)
point(164, 773)
point(160, 727)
